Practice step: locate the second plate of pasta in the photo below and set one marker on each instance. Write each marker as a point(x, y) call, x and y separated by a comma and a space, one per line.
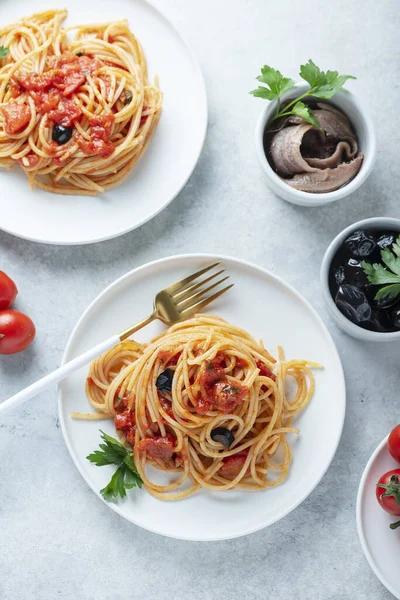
point(232, 417)
point(101, 123)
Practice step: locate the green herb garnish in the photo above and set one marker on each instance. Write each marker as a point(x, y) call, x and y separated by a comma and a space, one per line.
point(379, 274)
point(322, 85)
point(125, 477)
point(3, 51)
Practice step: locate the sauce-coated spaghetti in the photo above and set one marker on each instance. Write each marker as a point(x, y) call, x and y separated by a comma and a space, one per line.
point(204, 400)
point(76, 108)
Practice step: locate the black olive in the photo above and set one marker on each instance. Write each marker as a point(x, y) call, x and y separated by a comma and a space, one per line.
point(223, 436)
point(128, 97)
point(164, 381)
point(339, 275)
point(384, 303)
point(61, 134)
point(360, 244)
point(395, 316)
point(354, 273)
point(80, 54)
point(385, 240)
point(353, 303)
point(379, 321)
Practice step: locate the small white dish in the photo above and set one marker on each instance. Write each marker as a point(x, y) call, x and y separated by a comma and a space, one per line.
point(341, 321)
point(355, 110)
point(269, 309)
point(380, 544)
point(164, 169)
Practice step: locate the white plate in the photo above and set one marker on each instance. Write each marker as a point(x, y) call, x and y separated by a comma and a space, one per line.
point(269, 309)
point(168, 162)
point(381, 545)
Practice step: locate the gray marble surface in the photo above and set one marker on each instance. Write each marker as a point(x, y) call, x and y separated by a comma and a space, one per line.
point(57, 540)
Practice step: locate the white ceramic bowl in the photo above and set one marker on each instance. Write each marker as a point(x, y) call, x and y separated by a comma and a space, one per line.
point(354, 109)
point(342, 322)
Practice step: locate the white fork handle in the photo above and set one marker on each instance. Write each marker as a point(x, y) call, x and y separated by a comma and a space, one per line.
point(58, 375)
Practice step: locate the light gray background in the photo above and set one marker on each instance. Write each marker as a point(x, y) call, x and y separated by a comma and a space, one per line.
point(58, 541)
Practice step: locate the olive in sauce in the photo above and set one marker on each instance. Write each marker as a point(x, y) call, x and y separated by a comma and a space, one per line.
point(223, 436)
point(164, 381)
point(61, 135)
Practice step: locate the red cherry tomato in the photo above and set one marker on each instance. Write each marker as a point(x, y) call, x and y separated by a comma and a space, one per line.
point(8, 291)
point(391, 481)
point(17, 331)
point(394, 443)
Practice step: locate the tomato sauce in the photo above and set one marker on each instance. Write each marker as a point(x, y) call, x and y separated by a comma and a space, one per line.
point(67, 73)
point(99, 143)
point(265, 371)
point(218, 393)
point(232, 465)
point(124, 420)
point(16, 117)
point(160, 448)
point(226, 396)
point(169, 357)
point(167, 406)
point(51, 93)
point(65, 113)
point(30, 160)
point(45, 101)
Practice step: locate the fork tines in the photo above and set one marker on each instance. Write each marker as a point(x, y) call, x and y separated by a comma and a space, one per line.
point(190, 294)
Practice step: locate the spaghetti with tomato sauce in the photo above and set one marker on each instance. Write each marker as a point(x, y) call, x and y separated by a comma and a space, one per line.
point(75, 113)
point(205, 402)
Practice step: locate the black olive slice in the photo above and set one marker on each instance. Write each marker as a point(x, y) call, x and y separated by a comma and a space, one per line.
point(164, 381)
point(223, 436)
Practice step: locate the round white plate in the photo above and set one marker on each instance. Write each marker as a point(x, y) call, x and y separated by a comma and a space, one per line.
point(269, 309)
point(381, 545)
point(168, 162)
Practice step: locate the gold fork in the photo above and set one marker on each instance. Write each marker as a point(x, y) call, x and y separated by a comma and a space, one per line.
point(177, 302)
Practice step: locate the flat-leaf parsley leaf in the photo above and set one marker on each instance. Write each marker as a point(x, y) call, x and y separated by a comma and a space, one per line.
point(379, 274)
point(112, 452)
point(322, 85)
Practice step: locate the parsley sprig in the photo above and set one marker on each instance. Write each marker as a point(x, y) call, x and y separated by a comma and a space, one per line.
point(388, 273)
point(322, 85)
point(125, 477)
point(3, 52)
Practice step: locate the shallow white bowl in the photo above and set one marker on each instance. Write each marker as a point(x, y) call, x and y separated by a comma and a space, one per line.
point(354, 109)
point(161, 173)
point(380, 544)
point(269, 309)
point(342, 322)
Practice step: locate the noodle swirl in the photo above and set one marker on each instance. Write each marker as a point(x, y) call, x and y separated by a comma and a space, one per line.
point(91, 80)
point(220, 377)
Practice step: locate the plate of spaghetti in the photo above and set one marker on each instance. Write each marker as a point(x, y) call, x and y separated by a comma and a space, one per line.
point(101, 124)
point(226, 421)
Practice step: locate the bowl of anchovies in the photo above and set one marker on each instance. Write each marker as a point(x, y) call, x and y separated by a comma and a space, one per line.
point(360, 279)
point(314, 140)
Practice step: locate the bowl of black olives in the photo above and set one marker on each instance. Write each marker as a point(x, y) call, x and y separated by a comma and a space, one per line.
point(360, 278)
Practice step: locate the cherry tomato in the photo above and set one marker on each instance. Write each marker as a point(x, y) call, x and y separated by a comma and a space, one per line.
point(8, 291)
point(17, 331)
point(389, 483)
point(394, 443)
